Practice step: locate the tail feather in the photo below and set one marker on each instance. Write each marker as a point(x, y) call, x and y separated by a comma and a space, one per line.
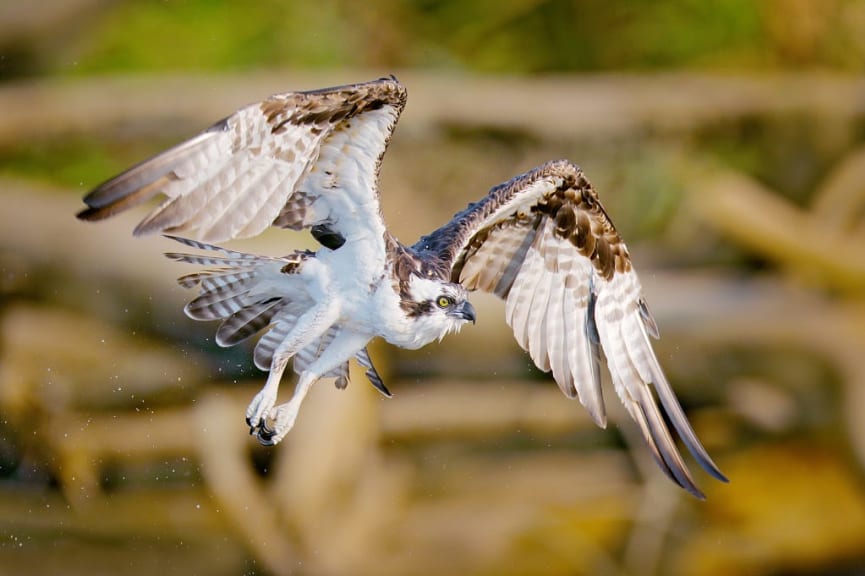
point(247, 292)
point(372, 374)
point(223, 298)
point(202, 260)
point(232, 254)
point(266, 346)
point(247, 321)
point(221, 285)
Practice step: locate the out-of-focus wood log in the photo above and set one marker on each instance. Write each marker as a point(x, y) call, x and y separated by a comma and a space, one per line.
point(128, 513)
point(224, 457)
point(38, 228)
point(25, 22)
point(448, 407)
point(136, 531)
point(593, 106)
point(840, 201)
point(59, 360)
point(743, 209)
point(482, 510)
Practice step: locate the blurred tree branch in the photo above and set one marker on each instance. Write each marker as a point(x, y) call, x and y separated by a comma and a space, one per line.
point(819, 244)
point(596, 106)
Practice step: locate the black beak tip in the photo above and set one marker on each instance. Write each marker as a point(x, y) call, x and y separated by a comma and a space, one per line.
point(468, 312)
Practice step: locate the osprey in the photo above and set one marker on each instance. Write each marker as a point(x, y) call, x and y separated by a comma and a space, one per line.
point(310, 160)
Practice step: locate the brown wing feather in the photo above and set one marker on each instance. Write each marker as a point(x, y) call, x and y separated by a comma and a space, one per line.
point(545, 244)
point(268, 163)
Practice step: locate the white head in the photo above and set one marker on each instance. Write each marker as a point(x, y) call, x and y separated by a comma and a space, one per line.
point(437, 308)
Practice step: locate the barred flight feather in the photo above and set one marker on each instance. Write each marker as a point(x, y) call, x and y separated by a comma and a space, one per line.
point(248, 321)
point(571, 292)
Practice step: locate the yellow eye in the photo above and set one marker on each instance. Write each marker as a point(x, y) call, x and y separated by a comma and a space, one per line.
point(444, 302)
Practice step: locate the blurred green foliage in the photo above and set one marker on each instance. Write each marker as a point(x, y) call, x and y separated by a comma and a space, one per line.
point(513, 36)
point(562, 35)
point(204, 35)
point(70, 162)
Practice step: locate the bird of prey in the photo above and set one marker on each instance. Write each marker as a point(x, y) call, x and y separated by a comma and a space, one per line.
point(310, 161)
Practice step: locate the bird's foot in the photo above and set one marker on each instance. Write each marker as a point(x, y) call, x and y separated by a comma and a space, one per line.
point(271, 430)
point(259, 408)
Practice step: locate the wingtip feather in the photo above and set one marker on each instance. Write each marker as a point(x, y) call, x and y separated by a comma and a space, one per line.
point(680, 422)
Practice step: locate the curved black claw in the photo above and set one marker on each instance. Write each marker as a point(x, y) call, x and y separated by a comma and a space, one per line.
point(265, 433)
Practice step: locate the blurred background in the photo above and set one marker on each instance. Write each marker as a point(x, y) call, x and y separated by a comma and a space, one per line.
point(727, 141)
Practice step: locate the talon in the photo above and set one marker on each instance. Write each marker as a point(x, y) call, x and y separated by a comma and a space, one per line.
point(265, 434)
point(265, 441)
point(262, 425)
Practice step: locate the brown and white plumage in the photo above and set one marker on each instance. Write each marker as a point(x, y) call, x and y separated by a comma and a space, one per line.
point(278, 162)
point(545, 244)
point(310, 160)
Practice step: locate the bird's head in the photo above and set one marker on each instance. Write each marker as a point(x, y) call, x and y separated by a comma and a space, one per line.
point(437, 307)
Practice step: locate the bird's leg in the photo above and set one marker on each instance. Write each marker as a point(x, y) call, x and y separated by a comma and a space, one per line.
point(262, 403)
point(308, 327)
point(282, 417)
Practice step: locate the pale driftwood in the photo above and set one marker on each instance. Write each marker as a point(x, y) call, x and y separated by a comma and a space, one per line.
point(585, 106)
point(25, 23)
point(752, 215)
point(840, 200)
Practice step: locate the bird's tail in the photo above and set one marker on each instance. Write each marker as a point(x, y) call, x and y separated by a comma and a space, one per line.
point(241, 289)
point(251, 293)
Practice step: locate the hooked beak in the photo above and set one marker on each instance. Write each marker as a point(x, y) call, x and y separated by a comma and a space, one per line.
point(465, 311)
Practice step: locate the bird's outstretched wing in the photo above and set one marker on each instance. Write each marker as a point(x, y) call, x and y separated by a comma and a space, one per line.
point(296, 160)
point(544, 243)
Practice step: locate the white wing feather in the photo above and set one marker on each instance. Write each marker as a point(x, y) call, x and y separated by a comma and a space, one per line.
point(298, 159)
point(544, 243)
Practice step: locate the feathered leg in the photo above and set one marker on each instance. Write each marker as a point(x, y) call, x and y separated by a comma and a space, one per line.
point(308, 327)
point(281, 418)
